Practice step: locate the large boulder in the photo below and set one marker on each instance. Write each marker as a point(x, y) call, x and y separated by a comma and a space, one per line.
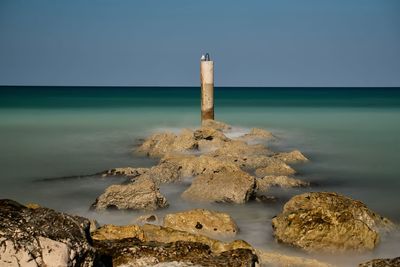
point(142, 194)
point(395, 262)
point(229, 184)
point(204, 222)
point(43, 237)
point(265, 183)
point(157, 145)
point(322, 221)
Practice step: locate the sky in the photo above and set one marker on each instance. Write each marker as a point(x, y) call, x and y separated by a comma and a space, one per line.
point(159, 42)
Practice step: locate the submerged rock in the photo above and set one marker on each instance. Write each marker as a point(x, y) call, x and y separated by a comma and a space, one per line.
point(125, 171)
point(142, 194)
point(271, 258)
point(265, 183)
point(204, 222)
point(257, 134)
point(231, 185)
point(328, 222)
point(395, 262)
point(43, 237)
point(148, 218)
point(294, 156)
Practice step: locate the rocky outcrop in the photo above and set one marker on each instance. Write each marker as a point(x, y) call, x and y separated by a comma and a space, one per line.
point(155, 233)
point(142, 194)
point(131, 252)
point(43, 237)
point(330, 222)
point(395, 262)
point(204, 222)
point(231, 185)
point(257, 134)
point(265, 183)
point(271, 258)
point(157, 145)
point(275, 167)
point(125, 171)
point(148, 218)
point(216, 125)
point(294, 156)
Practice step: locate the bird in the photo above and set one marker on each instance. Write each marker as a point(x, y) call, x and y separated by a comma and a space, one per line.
point(203, 58)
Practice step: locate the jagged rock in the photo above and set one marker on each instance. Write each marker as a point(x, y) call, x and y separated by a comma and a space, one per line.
point(94, 225)
point(131, 252)
point(204, 222)
point(271, 258)
point(155, 233)
point(237, 148)
point(43, 237)
point(142, 194)
point(275, 167)
point(256, 134)
point(265, 183)
point(229, 184)
point(157, 145)
point(148, 218)
point(322, 221)
point(216, 125)
point(395, 262)
point(294, 156)
point(125, 171)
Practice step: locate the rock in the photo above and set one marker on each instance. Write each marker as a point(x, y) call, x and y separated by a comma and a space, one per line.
point(111, 232)
point(43, 237)
point(216, 125)
point(395, 262)
point(155, 233)
point(204, 222)
point(263, 184)
point(142, 194)
point(291, 157)
point(94, 225)
point(329, 222)
point(125, 171)
point(148, 218)
point(131, 252)
point(271, 258)
point(32, 206)
point(276, 167)
point(231, 185)
point(237, 148)
point(266, 199)
point(157, 145)
point(257, 134)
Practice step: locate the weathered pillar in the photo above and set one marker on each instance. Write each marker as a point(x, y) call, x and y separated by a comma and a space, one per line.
point(207, 88)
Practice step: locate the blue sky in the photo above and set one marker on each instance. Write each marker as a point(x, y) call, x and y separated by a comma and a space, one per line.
point(149, 42)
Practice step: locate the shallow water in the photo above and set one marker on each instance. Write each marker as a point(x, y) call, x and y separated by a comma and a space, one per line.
point(352, 137)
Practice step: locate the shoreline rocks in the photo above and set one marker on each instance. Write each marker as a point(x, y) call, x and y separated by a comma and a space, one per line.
point(328, 222)
point(203, 222)
point(142, 194)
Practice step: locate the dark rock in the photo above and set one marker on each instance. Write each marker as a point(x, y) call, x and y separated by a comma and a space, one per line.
point(395, 262)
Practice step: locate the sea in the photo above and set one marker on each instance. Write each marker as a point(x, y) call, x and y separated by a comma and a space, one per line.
point(53, 138)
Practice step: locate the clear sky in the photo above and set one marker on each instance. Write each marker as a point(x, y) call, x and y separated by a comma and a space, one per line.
point(149, 42)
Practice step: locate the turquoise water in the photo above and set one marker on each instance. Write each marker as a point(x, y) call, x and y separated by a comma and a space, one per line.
point(351, 135)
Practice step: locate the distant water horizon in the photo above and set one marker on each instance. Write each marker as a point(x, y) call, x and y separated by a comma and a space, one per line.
point(351, 135)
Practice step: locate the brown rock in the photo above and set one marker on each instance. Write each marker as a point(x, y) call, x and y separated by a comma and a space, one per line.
point(328, 222)
point(157, 145)
point(276, 167)
point(230, 185)
point(257, 133)
point(148, 218)
point(291, 157)
point(271, 258)
point(139, 195)
point(125, 171)
point(216, 125)
point(204, 222)
point(263, 184)
point(111, 232)
point(395, 262)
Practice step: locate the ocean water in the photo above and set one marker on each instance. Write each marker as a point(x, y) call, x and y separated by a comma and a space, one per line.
point(351, 135)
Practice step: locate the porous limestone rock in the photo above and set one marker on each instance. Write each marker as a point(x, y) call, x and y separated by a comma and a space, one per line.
point(294, 156)
point(216, 125)
point(322, 221)
point(257, 134)
point(125, 171)
point(142, 194)
point(43, 237)
point(265, 183)
point(272, 258)
point(229, 184)
point(395, 262)
point(204, 222)
point(275, 167)
point(148, 218)
point(157, 145)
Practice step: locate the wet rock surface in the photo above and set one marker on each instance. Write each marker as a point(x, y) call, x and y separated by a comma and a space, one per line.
point(328, 222)
point(265, 183)
point(204, 222)
point(43, 237)
point(395, 262)
point(142, 194)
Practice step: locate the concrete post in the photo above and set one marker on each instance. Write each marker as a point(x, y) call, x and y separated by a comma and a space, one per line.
point(207, 88)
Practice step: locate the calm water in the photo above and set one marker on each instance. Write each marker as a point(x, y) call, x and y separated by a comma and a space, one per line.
point(352, 137)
